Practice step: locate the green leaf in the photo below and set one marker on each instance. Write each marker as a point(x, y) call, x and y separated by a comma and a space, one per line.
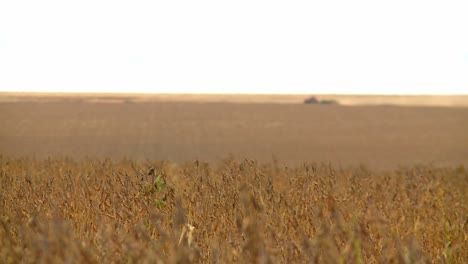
point(159, 183)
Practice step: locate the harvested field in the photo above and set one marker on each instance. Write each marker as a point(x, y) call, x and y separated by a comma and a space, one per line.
point(377, 136)
point(94, 211)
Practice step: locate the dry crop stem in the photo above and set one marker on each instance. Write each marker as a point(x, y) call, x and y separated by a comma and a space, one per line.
point(62, 210)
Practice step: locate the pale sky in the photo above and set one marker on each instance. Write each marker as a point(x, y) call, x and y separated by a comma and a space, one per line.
point(304, 47)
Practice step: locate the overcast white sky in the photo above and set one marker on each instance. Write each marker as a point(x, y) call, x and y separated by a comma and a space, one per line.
point(390, 47)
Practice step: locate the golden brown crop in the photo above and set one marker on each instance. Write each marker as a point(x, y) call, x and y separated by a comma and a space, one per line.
point(62, 210)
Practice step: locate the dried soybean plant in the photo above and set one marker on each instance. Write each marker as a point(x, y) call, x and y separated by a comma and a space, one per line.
point(234, 211)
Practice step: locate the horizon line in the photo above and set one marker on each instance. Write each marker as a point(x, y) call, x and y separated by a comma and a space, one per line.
point(227, 94)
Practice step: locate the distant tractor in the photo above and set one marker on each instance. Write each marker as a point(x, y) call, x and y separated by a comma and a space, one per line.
point(314, 100)
point(311, 100)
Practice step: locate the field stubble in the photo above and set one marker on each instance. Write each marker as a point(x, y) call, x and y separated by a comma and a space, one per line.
point(64, 210)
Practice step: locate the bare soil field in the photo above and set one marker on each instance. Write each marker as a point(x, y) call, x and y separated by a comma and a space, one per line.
point(378, 136)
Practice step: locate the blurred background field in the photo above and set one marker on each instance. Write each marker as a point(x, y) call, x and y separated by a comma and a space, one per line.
point(177, 129)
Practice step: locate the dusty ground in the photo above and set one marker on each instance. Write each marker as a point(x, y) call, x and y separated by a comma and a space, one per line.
point(117, 127)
